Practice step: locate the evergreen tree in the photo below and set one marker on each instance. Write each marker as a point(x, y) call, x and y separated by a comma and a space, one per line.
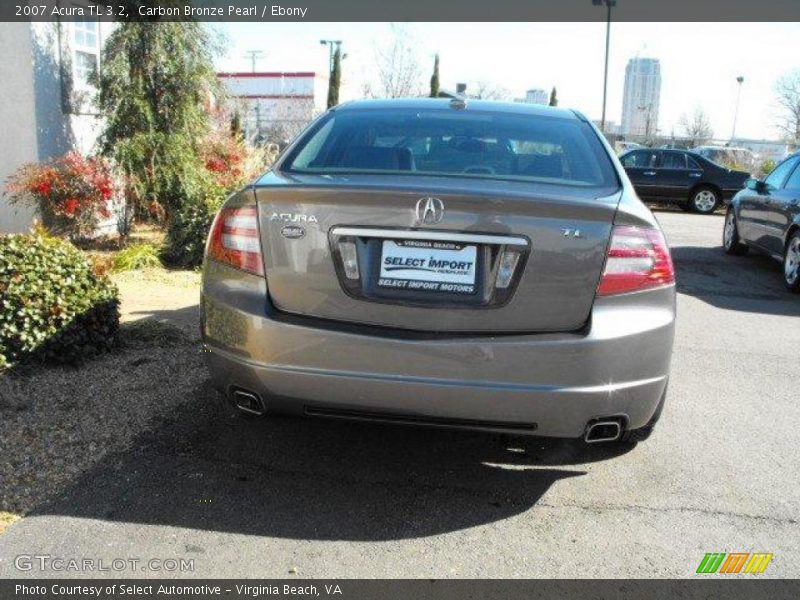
point(236, 126)
point(156, 83)
point(553, 97)
point(335, 80)
point(435, 78)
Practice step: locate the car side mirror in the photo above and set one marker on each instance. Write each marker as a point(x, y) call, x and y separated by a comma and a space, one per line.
point(756, 185)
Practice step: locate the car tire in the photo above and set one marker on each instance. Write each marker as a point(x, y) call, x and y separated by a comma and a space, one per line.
point(634, 436)
point(791, 263)
point(704, 200)
point(731, 241)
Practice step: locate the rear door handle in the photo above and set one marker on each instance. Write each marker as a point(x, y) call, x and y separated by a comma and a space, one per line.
point(695, 175)
point(649, 173)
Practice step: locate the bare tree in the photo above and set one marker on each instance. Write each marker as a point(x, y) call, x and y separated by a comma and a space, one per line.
point(285, 121)
point(485, 90)
point(399, 70)
point(697, 127)
point(787, 92)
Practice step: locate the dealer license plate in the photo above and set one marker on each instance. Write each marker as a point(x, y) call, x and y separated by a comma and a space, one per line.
point(428, 266)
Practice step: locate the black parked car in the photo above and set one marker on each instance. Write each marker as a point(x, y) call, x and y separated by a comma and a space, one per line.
point(766, 216)
point(682, 177)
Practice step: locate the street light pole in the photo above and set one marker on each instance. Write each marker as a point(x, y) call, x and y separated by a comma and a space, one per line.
point(739, 80)
point(333, 82)
point(608, 4)
point(330, 44)
point(647, 109)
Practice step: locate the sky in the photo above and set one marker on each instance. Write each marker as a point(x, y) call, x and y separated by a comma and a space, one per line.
point(699, 61)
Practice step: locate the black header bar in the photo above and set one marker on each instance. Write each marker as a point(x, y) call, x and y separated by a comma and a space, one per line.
point(405, 10)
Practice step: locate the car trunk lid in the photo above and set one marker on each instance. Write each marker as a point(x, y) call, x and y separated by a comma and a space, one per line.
point(429, 252)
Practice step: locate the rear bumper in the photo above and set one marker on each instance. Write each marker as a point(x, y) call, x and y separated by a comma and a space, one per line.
point(547, 384)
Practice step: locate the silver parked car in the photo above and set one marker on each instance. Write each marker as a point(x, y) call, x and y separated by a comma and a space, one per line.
point(468, 264)
point(765, 215)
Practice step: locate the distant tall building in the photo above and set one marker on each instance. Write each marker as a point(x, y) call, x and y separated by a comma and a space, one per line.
point(641, 96)
point(536, 97)
point(612, 127)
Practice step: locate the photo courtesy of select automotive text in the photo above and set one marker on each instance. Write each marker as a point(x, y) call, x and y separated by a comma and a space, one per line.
point(419, 300)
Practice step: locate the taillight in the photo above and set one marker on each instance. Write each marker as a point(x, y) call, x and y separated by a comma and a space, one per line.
point(234, 239)
point(638, 258)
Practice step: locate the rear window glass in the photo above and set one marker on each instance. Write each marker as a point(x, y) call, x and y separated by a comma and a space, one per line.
point(693, 164)
point(673, 160)
point(455, 143)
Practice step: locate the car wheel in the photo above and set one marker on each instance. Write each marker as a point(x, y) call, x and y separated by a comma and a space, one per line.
point(791, 263)
point(730, 235)
point(704, 200)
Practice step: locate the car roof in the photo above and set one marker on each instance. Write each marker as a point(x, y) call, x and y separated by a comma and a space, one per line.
point(446, 104)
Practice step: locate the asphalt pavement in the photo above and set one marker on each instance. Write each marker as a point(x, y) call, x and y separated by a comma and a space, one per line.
point(302, 498)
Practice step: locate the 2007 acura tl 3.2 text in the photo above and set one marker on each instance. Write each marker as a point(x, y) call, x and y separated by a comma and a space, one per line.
point(445, 262)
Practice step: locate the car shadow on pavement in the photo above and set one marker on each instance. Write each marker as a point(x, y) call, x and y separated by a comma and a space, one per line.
point(207, 468)
point(750, 283)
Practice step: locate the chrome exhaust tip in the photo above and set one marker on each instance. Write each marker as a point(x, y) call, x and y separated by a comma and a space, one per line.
point(602, 431)
point(249, 402)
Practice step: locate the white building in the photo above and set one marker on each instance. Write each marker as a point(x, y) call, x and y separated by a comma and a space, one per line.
point(45, 98)
point(276, 105)
point(641, 97)
point(535, 96)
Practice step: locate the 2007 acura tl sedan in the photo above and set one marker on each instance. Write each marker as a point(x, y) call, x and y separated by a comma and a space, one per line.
point(445, 262)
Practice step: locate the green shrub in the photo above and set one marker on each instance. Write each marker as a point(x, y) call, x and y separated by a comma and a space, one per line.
point(138, 256)
point(187, 233)
point(229, 164)
point(53, 306)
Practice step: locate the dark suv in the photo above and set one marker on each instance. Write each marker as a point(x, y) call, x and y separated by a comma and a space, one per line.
point(679, 176)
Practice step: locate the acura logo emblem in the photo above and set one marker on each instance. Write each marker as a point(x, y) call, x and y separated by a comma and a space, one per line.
point(430, 210)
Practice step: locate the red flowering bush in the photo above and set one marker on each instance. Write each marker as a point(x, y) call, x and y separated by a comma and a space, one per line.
point(70, 192)
point(231, 162)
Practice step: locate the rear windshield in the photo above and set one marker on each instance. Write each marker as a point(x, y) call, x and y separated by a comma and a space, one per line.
point(455, 143)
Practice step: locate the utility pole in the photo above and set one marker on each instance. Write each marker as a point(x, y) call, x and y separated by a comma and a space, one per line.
point(739, 80)
point(608, 4)
point(253, 55)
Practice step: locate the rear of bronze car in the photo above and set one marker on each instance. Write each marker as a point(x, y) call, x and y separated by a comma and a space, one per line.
point(427, 262)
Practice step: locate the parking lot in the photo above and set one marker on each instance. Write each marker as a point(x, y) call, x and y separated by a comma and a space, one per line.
point(291, 498)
